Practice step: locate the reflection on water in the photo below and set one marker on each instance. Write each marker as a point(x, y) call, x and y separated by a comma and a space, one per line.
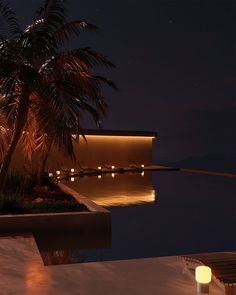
point(110, 190)
point(65, 248)
point(116, 190)
point(61, 257)
point(195, 213)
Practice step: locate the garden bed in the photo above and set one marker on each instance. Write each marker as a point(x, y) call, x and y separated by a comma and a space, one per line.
point(48, 199)
point(83, 216)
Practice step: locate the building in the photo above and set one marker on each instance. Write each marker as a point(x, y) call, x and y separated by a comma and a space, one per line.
point(101, 148)
point(107, 148)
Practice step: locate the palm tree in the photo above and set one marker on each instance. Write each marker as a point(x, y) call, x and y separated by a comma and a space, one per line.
point(43, 84)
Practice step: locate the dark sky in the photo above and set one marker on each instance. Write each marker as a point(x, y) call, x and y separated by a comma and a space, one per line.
point(175, 69)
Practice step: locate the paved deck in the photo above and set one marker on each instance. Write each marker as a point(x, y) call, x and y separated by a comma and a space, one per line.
point(223, 265)
point(23, 273)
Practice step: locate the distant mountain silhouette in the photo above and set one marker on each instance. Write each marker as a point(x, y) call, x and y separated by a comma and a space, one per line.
point(213, 162)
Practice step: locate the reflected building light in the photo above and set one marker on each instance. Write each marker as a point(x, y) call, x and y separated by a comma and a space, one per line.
point(58, 172)
point(143, 173)
point(121, 200)
point(72, 179)
point(129, 190)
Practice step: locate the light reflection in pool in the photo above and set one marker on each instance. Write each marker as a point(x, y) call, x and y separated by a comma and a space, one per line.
point(193, 214)
point(117, 190)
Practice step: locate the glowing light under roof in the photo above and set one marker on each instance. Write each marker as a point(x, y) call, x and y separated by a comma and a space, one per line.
point(120, 136)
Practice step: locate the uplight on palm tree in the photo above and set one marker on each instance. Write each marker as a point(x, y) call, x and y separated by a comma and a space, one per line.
point(44, 89)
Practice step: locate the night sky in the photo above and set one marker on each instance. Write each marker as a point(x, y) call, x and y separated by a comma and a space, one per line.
point(175, 69)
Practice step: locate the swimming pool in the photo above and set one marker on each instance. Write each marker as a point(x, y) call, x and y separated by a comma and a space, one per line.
point(162, 213)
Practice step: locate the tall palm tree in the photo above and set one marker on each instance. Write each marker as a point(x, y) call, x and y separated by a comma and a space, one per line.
point(41, 83)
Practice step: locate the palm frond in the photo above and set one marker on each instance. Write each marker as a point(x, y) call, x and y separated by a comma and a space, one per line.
point(48, 7)
point(92, 111)
point(38, 39)
point(8, 17)
point(28, 144)
point(54, 15)
point(91, 58)
point(42, 140)
point(29, 76)
point(106, 81)
point(74, 27)
point(29, 137)
point(5, 137)
point(9, 100)
point(59, 116)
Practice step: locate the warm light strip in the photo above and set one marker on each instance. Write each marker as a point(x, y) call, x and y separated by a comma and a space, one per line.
point(120, 136)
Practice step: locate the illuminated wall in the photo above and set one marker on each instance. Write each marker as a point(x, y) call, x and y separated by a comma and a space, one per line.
point(99, 150)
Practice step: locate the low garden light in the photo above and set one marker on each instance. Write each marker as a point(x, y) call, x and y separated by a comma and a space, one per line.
point(142, 165)
point(50, 174)
point(58, 172)
point(99, 168)
point(203, 278)
point(72, 170)
point(112, 167)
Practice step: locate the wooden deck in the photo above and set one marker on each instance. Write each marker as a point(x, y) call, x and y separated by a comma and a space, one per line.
point(223, 265)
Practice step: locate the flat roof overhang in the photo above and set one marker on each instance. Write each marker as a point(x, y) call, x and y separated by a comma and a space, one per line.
point(103, 132)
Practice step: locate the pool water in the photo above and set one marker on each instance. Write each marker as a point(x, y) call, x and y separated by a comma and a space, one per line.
point(163, 213)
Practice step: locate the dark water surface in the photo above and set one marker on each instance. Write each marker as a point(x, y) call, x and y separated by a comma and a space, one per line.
point(163, 213)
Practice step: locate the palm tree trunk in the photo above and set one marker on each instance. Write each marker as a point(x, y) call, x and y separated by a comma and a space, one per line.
point(42, 162)
point(19, 125)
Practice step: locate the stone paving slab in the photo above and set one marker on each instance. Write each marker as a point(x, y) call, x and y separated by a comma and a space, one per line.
point(22, 273)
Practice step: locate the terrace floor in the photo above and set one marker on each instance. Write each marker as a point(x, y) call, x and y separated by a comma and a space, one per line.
point(23, 272)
